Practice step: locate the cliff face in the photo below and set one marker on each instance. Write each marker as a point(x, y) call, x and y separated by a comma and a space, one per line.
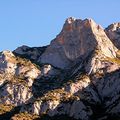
point(76, 77)
point(77, 39)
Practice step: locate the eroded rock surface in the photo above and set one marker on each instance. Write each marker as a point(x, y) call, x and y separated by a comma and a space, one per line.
point(77, 39)
point(17, 76)
point(76, 77)
point(113, 32)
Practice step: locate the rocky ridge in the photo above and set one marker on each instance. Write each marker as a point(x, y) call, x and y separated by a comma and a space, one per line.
point(113, 32)
point(76, 77)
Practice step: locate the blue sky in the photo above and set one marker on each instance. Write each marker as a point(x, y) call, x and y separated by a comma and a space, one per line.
point(37, 22)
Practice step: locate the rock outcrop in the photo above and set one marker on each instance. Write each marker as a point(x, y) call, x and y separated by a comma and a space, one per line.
point(77, 39)
point(113, 32)
point(16, 78)
point(32, 53)
point(76, 77)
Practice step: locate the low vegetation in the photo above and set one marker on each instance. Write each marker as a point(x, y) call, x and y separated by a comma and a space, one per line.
point(24, 116)
point(113, 60)
point(118, 53)
point(23, 61)
point(5, 108)
point(58, 95)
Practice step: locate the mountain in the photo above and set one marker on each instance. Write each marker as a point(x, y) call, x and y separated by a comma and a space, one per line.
point(76, 77)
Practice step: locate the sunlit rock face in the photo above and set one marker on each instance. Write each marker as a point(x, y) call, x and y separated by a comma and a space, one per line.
point(77, 39)
point(113, 32)
point(76, 77)
point(15, 94)
point(16, 78)
point(7, 62)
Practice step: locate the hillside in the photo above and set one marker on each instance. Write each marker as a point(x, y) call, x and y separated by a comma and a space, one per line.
point(76, 77)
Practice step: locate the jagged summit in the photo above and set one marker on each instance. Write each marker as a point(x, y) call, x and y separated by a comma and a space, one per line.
point(113, 32)
point(70, 20)
point(113, 26)
point(78, 38)
point(76, 77)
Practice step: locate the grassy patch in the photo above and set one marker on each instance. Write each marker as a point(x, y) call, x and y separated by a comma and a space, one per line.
point(24, 116)
point(113, 60)
point(118, 54)
point(58, 95)
point(5, 108)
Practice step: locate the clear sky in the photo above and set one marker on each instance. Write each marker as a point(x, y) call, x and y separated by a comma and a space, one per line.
point(37, 22)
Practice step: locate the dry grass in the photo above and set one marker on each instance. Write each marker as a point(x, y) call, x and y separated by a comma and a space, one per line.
point(118, 53)
point(5, 108)
point(58, 95)
point(23, 61)
point(18, 80)
point(113, 60)
point(24, 116)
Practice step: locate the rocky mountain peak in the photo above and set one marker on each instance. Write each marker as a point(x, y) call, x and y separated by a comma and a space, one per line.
point(113, 32)
point(113, 27)
point(76, 77)
point(7, 54)
point(70, 20)
point(7, 62)
point(78, 38)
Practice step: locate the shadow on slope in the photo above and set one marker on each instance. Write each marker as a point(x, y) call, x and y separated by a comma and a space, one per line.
point(43, 85)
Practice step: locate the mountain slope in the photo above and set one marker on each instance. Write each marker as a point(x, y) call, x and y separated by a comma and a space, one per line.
point(76, 77)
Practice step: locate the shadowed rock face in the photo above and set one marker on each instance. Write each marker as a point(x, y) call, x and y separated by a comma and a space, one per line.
point(76, 77)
